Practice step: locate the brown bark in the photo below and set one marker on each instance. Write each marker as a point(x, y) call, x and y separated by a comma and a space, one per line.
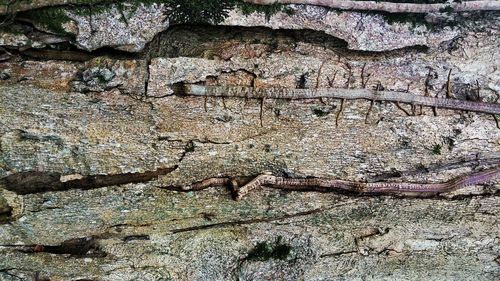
point(389, 7)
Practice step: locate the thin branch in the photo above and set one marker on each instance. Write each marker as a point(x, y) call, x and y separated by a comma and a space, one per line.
point(368, 112)
point(341, 109)
point(363, 76)
point(402, 109)
point(338, 93)
point(496, 121)
point(402, 188)
point(335, 185)
point(391, 7)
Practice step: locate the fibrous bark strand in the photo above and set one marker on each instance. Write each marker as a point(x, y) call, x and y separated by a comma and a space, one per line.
point(35, 182)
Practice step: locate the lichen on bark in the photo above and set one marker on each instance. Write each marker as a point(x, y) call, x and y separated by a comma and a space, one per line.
point(107, 173)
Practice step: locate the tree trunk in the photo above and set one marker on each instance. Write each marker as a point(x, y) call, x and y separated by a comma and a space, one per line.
point(370, 155)
point(391, 7)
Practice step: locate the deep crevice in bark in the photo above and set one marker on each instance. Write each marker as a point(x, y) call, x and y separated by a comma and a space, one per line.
point(36, 182)
point(193, 40)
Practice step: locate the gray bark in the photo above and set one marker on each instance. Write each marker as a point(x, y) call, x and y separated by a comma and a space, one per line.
point(104, 172)
point(390, 7)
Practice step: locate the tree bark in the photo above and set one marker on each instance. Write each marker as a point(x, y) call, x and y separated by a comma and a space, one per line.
point(390, 7)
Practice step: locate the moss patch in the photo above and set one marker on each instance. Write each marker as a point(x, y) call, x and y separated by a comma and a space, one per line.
point(51, 18)
point(190, 11)
point(436, 149)
point(265, 251)
point(321, 111)
point(267, 10)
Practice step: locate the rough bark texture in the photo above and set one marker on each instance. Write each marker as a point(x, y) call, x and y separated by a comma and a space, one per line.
point(101, 162)
point(390, 7)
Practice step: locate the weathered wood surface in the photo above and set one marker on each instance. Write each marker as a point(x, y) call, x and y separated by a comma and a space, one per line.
point(73, 131)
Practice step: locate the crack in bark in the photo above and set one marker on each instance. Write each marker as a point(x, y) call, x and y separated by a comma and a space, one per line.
point(76, 247)
point(251, 221)
point(336, 254)
point(135, 238)
point(35, 182)
point(6, 272)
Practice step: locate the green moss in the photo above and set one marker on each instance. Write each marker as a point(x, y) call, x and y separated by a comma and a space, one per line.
point(436, 149)
point(265, 251)
point(320, 112)
point(447, 10)
point(183, 11)
point(414, 19)
point(51, 18)
point(267, 10)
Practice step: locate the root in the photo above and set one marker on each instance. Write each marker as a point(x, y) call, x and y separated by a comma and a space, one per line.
point(332, 81)
point(341, 109)
point(402, 109)
point(364, 81)
point(368, 112)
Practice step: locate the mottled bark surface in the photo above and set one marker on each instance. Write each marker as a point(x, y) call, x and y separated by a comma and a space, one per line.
point(99, 159)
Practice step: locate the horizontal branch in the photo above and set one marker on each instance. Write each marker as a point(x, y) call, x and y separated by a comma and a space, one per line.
point(400, 188)
point(391, 7)
point(335, 185)
point(339, 93)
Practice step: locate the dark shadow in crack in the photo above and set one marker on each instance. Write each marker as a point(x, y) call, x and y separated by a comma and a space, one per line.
point(36, 182)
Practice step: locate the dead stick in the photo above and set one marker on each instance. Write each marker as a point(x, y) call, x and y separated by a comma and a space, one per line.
point(338, 93)
point(390, 7)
